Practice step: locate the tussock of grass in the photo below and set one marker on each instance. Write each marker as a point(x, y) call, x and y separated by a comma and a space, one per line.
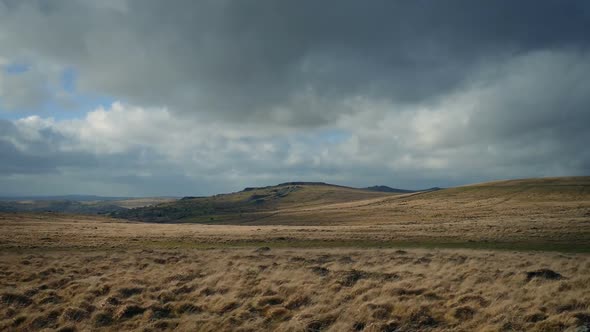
point(296, 290)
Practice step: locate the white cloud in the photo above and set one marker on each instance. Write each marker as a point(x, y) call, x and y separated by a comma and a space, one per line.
point(437, 143)
point(213, 99)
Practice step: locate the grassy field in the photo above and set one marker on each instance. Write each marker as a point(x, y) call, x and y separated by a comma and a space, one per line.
point(503, 256)
point(293, 290)
point(57, 231)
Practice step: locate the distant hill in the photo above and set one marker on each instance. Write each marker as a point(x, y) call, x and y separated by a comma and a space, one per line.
point(386, 189)
point(250, 204)
point(534, 202)
point(77, 198)
point(317, 203)
point(76, 204)
point(297, 183)
point(61, 206)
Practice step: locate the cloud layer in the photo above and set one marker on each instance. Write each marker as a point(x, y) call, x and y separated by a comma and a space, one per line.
point(217, 95)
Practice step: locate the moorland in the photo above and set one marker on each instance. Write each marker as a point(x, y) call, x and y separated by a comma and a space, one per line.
point(502, 256)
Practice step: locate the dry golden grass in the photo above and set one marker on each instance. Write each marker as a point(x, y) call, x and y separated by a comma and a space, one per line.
point(293, 290)
point(79, 232)
point(553, 202)
point(335, 266)
point(525, 204)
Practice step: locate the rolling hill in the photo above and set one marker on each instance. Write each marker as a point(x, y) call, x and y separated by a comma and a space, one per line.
point(524, 201)
point(532, 202)
point(77, 198)
point(76, 204)
point(251, 204)
point(61, 206)
point(386, 189)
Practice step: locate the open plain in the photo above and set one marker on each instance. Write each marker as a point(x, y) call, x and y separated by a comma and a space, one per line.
point(294, 166)
point(505, 256)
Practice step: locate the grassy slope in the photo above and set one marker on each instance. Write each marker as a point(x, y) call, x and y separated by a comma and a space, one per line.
point(320, 204)
point(543, 199)
point(250, 205)
point(538, 214)
point(521, 201)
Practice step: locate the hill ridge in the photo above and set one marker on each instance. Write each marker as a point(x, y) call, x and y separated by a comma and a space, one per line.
point(317, 202)
point(300, 183)
point(250, 204)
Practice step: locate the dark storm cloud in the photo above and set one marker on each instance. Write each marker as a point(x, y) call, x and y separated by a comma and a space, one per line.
point(291, 62)
point(543, 94)
point(23, 155)
point(423, 92)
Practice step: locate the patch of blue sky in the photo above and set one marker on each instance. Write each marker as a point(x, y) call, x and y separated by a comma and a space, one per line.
point(64, 101)
point(68, 79)
point(323, 136)
point(333, 136)
point(15, 68)
point(77, 106)
point(78, 103)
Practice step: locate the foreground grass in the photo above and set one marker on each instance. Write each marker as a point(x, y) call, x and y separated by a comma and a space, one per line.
point(256, 289)
point(75, 273)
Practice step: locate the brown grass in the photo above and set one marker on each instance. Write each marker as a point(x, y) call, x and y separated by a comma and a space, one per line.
point(293, 290)
point(337, 267)
point(492, 207)
point(527, 205)
point(36, 231)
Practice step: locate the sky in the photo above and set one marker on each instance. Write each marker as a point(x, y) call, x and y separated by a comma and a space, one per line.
point(198, 97)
